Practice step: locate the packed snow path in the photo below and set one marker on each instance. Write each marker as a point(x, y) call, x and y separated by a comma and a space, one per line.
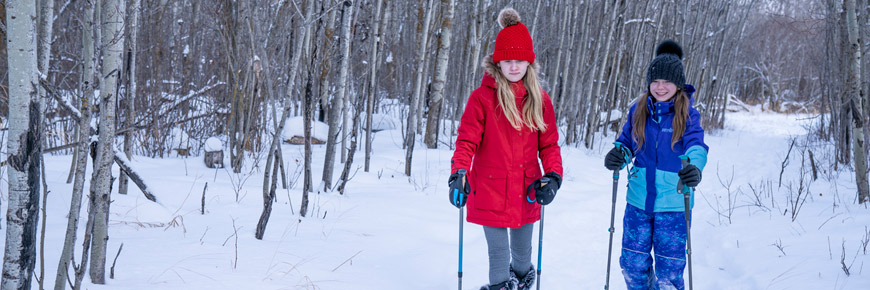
point(394, 232)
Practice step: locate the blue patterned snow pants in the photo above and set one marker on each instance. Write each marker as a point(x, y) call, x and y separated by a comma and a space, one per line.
point(663, 231)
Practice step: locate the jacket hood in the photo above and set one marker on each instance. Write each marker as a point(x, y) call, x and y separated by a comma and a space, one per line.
point(489, 71)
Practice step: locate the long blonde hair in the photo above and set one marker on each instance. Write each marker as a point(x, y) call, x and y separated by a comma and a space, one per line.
point(641, 112)
point(533, 113)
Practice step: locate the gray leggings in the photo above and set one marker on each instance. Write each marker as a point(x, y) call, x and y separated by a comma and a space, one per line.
point(503, 255)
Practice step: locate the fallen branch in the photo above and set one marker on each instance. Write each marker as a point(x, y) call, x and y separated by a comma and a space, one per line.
point(124, 164)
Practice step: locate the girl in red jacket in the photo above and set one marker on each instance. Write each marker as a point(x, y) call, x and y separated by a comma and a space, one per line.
point(508, 130)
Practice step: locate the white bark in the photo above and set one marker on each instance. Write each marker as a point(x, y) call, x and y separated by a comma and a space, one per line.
point(413, 111)
point(87, 91)
point(437, 98)
point(373, 84)
point(24, 146)
point(855, 95)
point(131, 90)
point(112, 40)
point(338, 101)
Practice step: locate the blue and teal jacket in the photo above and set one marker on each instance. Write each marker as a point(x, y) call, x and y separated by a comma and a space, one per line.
point(652, 181)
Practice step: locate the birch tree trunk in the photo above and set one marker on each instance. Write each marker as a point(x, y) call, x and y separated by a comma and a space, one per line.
point(338, 102)
point(84, 128)
point(112, 40)
point(373, 83)
point(275, 148)
point(592, 112)
point(411, 136)
point(434, 118)
point(24, 146)
point(306, 111)
point(131, 89)
point(856, 96)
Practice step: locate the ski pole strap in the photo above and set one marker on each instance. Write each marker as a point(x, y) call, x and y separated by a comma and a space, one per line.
point(626, 154)
point(684, 160)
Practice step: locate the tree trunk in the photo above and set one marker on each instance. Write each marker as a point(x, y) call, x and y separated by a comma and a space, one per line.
point(307, 111)
point(856, 97)
point(112, 40)
point(592, 113)
point(373, 83)
point(131, 89)
point(275, 147)
point(434, 118)
point(335, 115)
point(423, 34)
point(83, 148)
point(24, 146)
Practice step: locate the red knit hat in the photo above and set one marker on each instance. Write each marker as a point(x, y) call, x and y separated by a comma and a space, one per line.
point(513, 41)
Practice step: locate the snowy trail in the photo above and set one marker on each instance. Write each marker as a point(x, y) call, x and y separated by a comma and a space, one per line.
point(395, 232)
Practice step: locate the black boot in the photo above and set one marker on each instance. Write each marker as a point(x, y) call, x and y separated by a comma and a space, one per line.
point(506, 285)
point(524, 281)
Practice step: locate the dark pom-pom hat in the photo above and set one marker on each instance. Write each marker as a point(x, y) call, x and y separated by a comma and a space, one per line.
point(667, 65)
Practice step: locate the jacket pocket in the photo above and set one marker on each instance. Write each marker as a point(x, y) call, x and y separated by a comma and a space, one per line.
point(489, 188)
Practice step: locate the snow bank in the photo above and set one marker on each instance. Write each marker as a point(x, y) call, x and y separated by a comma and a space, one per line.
point(295, 127)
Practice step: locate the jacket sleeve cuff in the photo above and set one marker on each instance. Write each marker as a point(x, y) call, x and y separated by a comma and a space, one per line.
point(697, 156)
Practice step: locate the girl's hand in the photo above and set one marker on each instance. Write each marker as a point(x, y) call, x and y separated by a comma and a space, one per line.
point(690, 175)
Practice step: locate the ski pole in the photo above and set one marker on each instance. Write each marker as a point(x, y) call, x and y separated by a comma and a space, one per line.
point(461, 217)
point(611, 229)
point(627, 156)
point(544, 181)
point(687, 193)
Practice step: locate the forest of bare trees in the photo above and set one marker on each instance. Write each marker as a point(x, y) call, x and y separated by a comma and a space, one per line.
point(149, 71)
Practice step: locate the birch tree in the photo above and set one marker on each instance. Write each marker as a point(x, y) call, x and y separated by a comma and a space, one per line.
point(855, 102)
point(112, 40)
point(24, 146)
point(307, 107)
point(132, 86)
point(373, 83)
point(86, 93)
point(338, 101)
point(437, 98)
point(420, 63)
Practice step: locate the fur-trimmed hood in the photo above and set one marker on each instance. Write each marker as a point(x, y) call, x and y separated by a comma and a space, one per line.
point(490, 69)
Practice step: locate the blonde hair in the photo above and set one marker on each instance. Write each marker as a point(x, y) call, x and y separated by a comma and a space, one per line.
point(533, 113)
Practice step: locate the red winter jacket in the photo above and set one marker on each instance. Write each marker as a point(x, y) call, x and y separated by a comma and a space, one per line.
point(503, 161)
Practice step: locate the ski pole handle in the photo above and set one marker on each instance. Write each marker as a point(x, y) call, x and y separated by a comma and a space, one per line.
point(545, 180)
point(458, 195)
point(684, 161)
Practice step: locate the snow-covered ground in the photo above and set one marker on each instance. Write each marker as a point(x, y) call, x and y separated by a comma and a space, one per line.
point(395, 232)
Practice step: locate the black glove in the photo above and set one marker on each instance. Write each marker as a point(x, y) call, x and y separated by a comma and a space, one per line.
point(690, 175)
point(545, 193)
point(458, 191)
point(617, 158)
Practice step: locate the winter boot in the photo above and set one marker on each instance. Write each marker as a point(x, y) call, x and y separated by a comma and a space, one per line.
point(506, 285)
point(524, 281)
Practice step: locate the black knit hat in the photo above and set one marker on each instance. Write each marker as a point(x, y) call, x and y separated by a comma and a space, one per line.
point(667, 65)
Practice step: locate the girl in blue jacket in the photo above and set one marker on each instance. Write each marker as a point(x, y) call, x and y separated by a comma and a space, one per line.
point(661, 127)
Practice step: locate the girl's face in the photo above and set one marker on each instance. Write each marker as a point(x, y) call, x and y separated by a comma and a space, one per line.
point(662, 90)
point(513, 70)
